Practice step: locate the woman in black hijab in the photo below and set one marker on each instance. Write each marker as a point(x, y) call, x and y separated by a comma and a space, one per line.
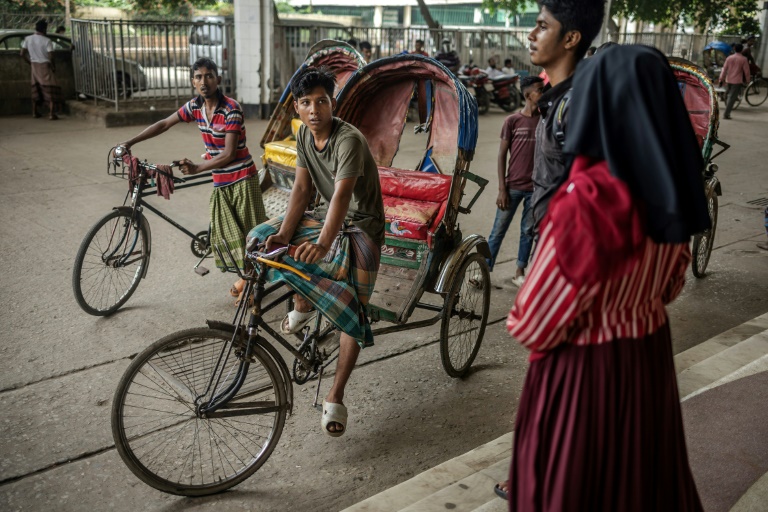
point(599, 426)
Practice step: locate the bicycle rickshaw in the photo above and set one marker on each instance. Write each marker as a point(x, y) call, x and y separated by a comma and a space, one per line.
point(114, 255)
point(700, 99)
point(201, 410)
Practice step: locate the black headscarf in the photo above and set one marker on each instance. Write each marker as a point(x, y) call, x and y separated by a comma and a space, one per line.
point(626, 108)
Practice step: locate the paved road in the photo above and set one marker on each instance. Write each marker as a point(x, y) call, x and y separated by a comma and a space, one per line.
point(61, 366)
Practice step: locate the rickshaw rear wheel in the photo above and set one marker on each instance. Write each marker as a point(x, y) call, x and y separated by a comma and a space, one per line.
point(703, 242)
point(465, 315)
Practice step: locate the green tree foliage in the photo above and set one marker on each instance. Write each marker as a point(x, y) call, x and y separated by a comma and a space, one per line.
point(734, 16)
point(29, 6)
point(728, 16)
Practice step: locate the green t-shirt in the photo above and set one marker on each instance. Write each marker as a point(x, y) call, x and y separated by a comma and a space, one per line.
point(345, 156)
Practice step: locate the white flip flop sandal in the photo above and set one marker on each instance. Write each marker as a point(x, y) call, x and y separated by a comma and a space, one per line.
point(295, 321)
point(334, 413)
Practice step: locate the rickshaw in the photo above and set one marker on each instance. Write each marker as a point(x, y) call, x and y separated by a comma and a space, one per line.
point(700, 99)
point(279, 140)
point(713, 57)
point(199, 411)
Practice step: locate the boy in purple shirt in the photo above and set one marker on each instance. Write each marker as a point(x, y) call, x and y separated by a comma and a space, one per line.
point(518, 139)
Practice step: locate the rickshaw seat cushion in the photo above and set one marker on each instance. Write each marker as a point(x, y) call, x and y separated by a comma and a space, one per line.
point(295, 125)
point(414, 201)
point(414, 185)
point(282, 152)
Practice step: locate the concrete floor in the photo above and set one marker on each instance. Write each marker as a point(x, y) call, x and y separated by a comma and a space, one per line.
point(60, 366)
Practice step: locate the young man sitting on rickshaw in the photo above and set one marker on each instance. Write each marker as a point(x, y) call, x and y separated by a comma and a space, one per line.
point(339, 242)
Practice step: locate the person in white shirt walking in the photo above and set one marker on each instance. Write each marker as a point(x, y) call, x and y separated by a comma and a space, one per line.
point(37, 51)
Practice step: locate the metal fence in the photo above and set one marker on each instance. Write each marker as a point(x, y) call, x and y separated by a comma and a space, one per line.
point(475, 46)
point(472, 45)
point(28, 20)
point(688, 46)
point(133, 61)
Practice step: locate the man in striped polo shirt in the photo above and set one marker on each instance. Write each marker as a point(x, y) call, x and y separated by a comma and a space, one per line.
point(235, 205)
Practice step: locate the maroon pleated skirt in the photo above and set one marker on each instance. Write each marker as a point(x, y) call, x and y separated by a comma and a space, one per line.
point(599, 429)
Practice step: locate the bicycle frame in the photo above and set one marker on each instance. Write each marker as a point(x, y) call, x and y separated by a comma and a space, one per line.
point(140, 191)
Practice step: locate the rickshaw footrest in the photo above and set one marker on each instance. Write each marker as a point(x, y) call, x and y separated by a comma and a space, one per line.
point(201, 271)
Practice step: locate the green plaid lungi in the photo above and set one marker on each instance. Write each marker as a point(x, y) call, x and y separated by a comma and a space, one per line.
point(235, 210)
point(341, 284)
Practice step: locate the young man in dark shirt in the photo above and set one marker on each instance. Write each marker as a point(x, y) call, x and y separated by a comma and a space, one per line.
point(518, 140)
point(563, 34)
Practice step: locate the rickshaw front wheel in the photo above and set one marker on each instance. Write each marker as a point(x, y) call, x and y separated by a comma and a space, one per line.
point(110, 263)
point(465, 315)
point(201, 244)
point(703, 242)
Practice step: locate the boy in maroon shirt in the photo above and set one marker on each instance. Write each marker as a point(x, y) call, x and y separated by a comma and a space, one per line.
point(518, 139)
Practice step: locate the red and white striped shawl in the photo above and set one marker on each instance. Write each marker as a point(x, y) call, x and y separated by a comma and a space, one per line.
point(549, 310)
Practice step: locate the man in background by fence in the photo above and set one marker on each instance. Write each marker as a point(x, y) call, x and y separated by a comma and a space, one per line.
point(37, 51)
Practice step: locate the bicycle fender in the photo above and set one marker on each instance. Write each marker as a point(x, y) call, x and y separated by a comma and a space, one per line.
point(271, 351)
point(454, 260)
point(718, 188)
point(142, 221)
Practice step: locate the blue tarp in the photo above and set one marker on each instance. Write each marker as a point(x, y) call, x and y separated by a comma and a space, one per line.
point(719, 46)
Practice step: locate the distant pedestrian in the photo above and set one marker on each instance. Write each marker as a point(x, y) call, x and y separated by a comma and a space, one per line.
point(418, 48)
point(518, 140)
point(508, 69)
point(599, 426)
point(60, 30)
point(492, 71)
point(764, 245)
point(735, 74)
point(448, 57)
point(37, 51)
point(367, 50)
point(352, 43)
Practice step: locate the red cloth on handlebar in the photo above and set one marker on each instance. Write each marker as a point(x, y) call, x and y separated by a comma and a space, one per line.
point(164, 182)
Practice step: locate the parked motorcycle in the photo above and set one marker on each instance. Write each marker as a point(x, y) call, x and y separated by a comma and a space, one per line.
point(501, 90)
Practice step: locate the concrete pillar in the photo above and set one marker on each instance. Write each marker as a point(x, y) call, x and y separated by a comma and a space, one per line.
point(407, 16)
point(378, 16)
point(253, 55)
point(762, 52)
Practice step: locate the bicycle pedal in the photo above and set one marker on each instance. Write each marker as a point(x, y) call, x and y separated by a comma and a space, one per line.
point(201, 271)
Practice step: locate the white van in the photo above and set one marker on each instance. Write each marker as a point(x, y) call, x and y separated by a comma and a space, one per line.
point(213, 37)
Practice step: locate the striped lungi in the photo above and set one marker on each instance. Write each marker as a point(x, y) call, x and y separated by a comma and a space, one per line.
point(341, 284)
point(44, 85)
point(235, 210)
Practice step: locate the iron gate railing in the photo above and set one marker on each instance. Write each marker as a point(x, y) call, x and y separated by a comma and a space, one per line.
point(123, 61)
